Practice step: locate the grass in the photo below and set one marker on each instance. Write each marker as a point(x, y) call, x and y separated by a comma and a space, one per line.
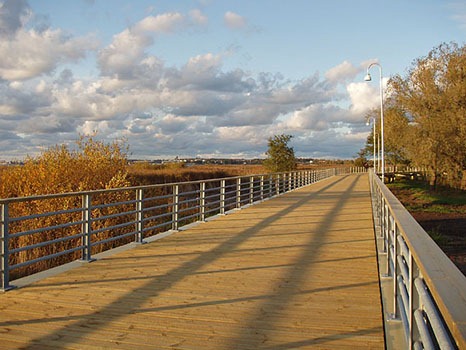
point(417, 195)
point(438, 237)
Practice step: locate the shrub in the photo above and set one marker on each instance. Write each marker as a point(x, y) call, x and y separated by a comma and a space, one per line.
point(91, 165)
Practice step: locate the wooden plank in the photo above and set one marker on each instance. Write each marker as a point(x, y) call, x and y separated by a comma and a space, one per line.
point(298, 271)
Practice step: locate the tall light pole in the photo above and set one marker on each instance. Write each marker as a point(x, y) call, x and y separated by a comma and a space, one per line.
point(382, 149)
point(374, 135)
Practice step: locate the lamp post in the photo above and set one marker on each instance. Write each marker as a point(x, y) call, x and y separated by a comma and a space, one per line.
point(382, 150)
point(374, 135)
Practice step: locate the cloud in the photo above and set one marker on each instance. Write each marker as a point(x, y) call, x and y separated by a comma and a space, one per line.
point(198, 18)
point(316, 117)
point(196, 108)
point(30, 53)
point(13, 14)
point(127, 57)
point(365, 96)
point(459, 9)
point(329, 143)
point(343, 72)
point(164, 23)
point(126, 50)
point(234, 21)
point(94, 127)
point(17, 101)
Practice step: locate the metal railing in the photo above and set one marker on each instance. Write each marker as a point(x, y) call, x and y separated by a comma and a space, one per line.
point(428, 292)
point(41, 232)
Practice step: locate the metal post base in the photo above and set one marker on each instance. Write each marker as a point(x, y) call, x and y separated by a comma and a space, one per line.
point(10, 287)
point(391, 317)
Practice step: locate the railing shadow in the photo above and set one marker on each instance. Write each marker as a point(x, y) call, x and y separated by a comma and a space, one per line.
point(134, 300)
point(302, 270)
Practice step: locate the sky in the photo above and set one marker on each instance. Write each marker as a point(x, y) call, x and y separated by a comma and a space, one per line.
point(206, 78)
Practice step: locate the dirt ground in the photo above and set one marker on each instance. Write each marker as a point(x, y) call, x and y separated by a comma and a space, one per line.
point(450, 230)
point(447, 229)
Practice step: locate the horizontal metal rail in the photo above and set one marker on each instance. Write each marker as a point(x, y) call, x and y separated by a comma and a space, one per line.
point(40, 232)
point(428, 293)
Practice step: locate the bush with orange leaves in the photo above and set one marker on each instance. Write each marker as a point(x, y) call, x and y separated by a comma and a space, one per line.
point(91, 165)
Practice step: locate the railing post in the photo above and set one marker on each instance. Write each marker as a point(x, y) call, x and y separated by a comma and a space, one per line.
point(385, 221)
point(262, 187)
point(202, 201)
point(139, 215)
point(87, 228)
point(175, 202)
point(395, 274)
point(270, 186)
point(4, 236)
point(410, 301)
point(390, 237)
point(222, 197)
point(276, 180)
point(238, 193)
point(251, 189)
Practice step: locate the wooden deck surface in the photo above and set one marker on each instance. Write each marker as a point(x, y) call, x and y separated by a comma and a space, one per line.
point(295, 272)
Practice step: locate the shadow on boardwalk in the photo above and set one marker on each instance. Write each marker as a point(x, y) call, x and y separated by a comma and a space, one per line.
point(297, 271)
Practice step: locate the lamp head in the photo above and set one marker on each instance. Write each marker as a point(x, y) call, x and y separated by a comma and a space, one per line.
point(367, 77)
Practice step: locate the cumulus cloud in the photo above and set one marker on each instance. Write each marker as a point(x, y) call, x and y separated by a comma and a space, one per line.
point(90, 127)
point(316, 117)
point(30, 53)
point(196, 108)
point(164, 23)
point(198, 18)
point(343, 72)
point(364, 96)
point(127, 57)
point(13, 14)
point(234, 21)
point(126, 49)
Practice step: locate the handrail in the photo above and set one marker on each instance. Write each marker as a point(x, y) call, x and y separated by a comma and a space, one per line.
point(428, 291)
point(55, 229)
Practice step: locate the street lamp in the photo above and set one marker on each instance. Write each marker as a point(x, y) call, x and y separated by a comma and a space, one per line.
point(374, 135)
point(382, 150)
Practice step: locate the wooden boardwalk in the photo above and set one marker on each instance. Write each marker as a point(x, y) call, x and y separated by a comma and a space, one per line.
point(295, 272)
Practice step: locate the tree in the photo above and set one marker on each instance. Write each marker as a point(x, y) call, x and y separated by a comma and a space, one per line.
point(280, 157)
point(433, 95)
point(361, 160)
point(396, 131)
